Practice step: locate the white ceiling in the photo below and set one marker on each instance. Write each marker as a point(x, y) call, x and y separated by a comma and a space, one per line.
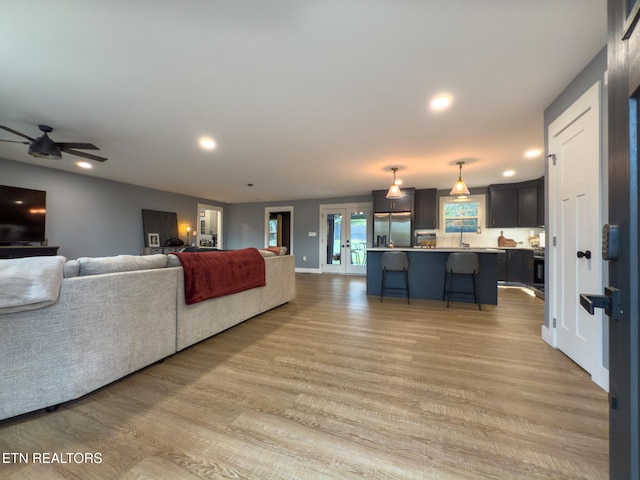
point(305, 98)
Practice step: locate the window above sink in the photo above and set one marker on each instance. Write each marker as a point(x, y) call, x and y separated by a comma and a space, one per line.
point(462, 214)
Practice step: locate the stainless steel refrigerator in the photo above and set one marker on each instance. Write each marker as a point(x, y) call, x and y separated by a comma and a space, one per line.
point(392, 226)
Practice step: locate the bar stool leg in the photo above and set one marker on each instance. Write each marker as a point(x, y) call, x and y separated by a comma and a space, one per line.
point(475, 296)
point(406, 284)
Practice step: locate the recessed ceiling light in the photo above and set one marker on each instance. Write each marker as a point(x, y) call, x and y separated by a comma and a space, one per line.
point(207, 143)
point(440, 103)
point(533, 153)
point(86, 165)
point(508, 173)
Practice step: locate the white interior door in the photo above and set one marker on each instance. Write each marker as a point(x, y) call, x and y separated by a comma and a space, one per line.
point(575, 227)
point(344, 239)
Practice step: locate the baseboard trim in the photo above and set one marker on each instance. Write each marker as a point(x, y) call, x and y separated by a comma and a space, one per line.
point(602, 380)
point(548, 335)
point(308, 270)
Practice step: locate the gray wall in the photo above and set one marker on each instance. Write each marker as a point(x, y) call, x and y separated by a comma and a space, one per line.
point(88, 216)
point(592, 73)
point(246, 226)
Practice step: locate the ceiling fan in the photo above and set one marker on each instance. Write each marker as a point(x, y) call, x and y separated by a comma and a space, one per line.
point(44, 147)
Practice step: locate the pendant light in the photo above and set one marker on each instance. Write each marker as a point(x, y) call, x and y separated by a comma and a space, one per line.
point(394, 189)
point(459, 188)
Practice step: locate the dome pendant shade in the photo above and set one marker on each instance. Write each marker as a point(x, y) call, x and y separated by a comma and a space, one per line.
point(459, 188)
point(394, 189)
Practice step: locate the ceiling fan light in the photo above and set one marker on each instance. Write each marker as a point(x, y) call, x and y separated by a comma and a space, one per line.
point(44, 147)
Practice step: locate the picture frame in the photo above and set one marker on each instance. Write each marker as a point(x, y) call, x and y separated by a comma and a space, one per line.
point(154, 239)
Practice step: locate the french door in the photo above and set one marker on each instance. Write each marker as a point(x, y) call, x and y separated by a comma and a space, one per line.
point(344, 238)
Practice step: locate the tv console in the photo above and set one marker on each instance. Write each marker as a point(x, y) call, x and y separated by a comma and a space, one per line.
point(27, 251)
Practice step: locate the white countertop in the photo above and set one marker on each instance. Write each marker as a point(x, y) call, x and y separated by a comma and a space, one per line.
point(439, 250)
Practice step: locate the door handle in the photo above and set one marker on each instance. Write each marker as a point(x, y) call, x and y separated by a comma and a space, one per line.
point(610, 301)
point(586, 254)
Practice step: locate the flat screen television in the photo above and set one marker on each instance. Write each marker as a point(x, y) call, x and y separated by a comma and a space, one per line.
point(22, 215)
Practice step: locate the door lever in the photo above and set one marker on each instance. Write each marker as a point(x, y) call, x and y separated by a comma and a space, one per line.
point(610, 301)
point(586, 254)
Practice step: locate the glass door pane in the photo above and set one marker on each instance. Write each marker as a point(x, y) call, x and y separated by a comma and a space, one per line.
point(334, 239)
point(344, 238)
point(358, 238)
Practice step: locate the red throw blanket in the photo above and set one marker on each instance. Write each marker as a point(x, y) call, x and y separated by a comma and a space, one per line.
point(215, 274)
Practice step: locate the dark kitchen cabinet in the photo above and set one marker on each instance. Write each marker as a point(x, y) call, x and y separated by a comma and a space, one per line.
point(514, 266)
point(503, 206)
point(502, 267)
point(528, 206)
point(513, 205)
point(425, 208)
point(382, 204)
point(526, 267)
point(541, 202)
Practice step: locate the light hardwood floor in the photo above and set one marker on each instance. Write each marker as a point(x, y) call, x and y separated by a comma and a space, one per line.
point(336, 385)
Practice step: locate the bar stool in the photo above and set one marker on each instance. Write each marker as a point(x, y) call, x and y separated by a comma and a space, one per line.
point(464, 264)
point(394, 262)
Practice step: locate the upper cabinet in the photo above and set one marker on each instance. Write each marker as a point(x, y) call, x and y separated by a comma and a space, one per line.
point(516, 204)
point(541, 202)
point(528, 206)
point(425, 208)
point(382, 204)
point(503, 206)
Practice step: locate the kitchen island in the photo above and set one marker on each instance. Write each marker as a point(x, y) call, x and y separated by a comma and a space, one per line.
point(426, 273)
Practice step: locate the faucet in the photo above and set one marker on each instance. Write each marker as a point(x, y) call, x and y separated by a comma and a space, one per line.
point(462, 244)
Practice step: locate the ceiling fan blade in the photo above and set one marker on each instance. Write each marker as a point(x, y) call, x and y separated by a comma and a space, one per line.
point(84, 155)
point(81, 146)
point(16, 133)
point(15, 141)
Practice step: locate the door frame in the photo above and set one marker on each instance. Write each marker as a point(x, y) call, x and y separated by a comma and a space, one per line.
point(362, 206)
point(590, 100)
point(220, 232)
point(267, 213)
point(624, 184)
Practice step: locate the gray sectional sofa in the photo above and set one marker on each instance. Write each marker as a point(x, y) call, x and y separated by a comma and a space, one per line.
point(113, 317)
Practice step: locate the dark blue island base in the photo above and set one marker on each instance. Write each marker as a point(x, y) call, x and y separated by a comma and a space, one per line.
point(426, 275)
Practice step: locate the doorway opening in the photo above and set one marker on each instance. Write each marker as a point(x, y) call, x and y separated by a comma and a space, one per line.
point(279, 227)
point(209, 229)
point(574, 225)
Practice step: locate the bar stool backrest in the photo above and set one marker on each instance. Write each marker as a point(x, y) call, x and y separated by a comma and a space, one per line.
point(465, 263)
point(394, 261)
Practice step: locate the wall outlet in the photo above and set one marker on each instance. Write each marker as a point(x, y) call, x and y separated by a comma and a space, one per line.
point(304, 259)
point(312, 234)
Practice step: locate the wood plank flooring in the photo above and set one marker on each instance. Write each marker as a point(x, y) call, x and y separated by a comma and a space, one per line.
point(336, 385)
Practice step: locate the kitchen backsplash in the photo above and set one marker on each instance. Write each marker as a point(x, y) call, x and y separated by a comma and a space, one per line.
point(488, 238)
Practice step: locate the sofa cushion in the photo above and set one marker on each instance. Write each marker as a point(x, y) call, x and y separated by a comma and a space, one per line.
point(71, 269)
point(173, 261)
point(120, 263)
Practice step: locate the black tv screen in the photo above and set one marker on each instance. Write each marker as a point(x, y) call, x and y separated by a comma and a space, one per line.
point(22, 215)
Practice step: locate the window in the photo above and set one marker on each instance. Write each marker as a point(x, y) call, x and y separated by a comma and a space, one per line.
point(462, 214)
